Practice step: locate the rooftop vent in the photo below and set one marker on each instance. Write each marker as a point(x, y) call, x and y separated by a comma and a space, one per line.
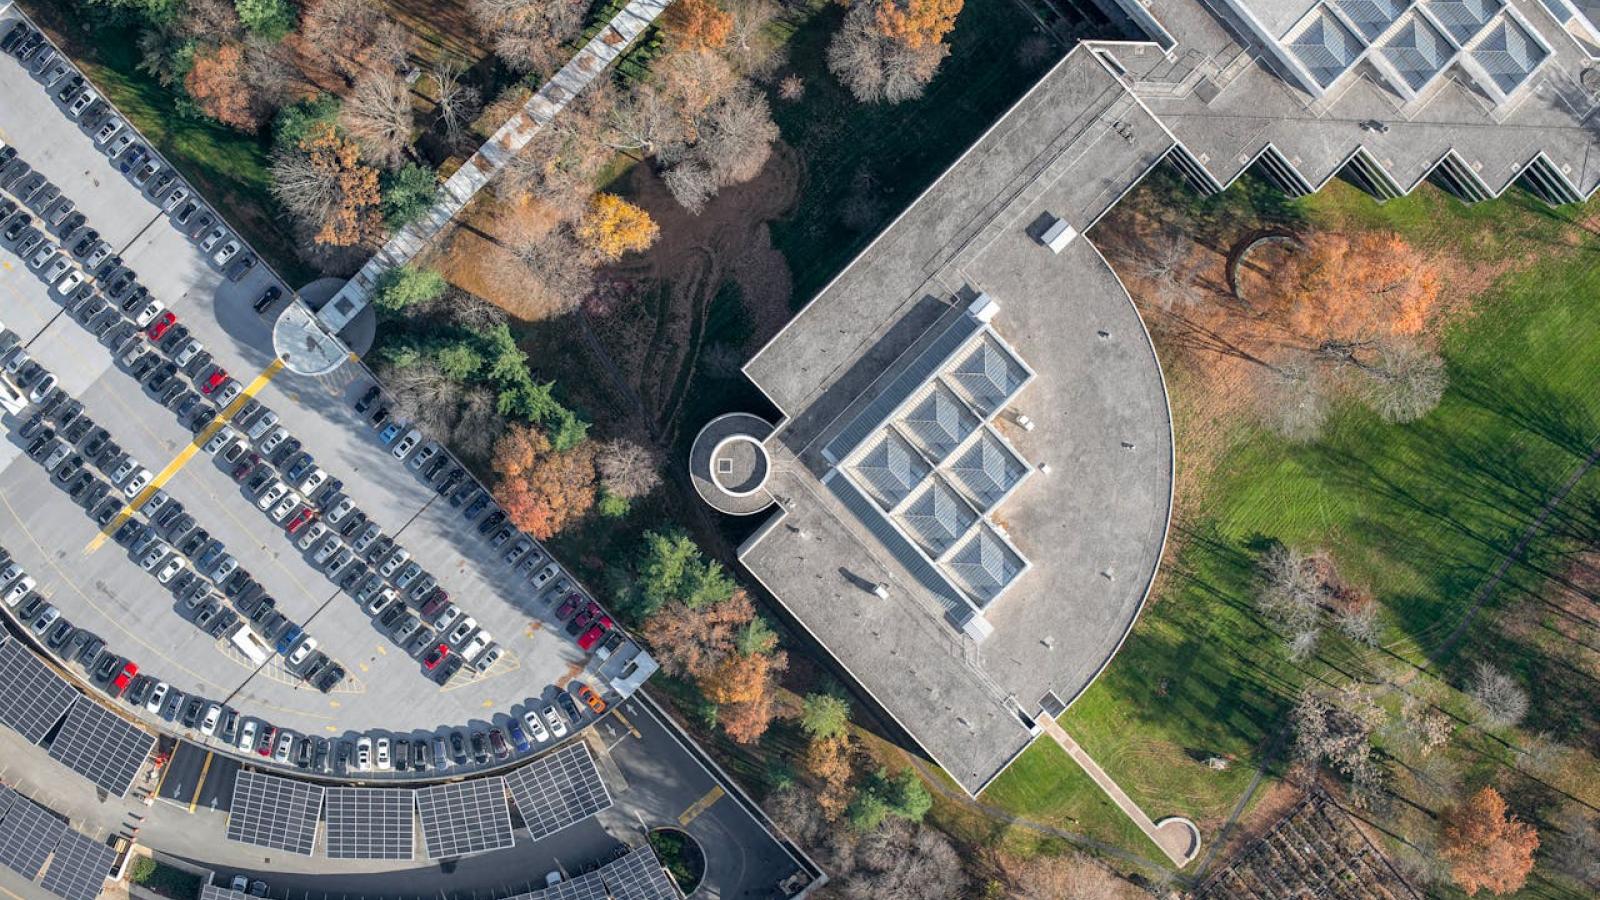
point(1058, 235)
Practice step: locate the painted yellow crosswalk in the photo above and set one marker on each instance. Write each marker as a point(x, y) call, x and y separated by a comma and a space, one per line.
point(699, 806)
point(187, 453)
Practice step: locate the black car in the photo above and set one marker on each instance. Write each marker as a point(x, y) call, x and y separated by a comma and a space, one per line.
point(314, 666)
point(480, 748)
point(192, 711)
point(34, 605)
point(106, 512)
point(162, 377)
point(139, 691)
point(491, 522)
point(330, 678)
point(302, 752)
point(421, 756)
point(33, 426)
point(79, 486)
point(224, 621)
point(58, 634)
point(447, 669)
point(570, 707)
point(241, 267)
point(267, 298)
point(365, 402)
point(402, 754)
point(461, 496)
point(14, 36)
point(458, 748)
point(105, 667)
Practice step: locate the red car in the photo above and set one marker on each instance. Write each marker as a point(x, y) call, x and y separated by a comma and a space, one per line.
point(590, 614)
point(567, 606)
point(300, 520)
point(159, 327)
point(595, 632)
point(214, 381)
point(124, 679)
point(435, 656)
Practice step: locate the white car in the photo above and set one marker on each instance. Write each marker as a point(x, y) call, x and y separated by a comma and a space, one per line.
point(303, 651)
point(148, 313)
point(383, 754)
point(477, 645)
point(121, 142)
point(381, 602)
point(108, 131)
point(271, 495)
point(177, 195)
point(41, 256)
point(190, 349)
point(208, 725)
point(317, 478)
point(123, 469)
point(314, 533)
point(262, 425)
point(154, 502)
point(341, 509)
point(423, 455)
point(153, 557)
point(158, 696)
point(69, 282)
point(170, 570)
point(405, 444)
point(17, 591)
point(230, 389)
point(462, 629)
point(329, 547)
point(407, 575)
point(224, 436)
point(227, 252)
point(535, 727)
point(287, 505)
point(557, 726)
point(213, 238)
point(43, 387)
point(247, 735)
point(137, 483)
point(450, 614)
point(364, 540)
point(274, 437)
point(285, 744)
point(81, 103)
point(400, 557)
point(364, 754)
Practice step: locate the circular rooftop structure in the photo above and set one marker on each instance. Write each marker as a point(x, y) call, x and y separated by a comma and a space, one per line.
point(730, 465)
point(305, 345)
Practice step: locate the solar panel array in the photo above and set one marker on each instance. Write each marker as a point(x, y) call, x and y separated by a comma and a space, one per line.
point(218, 892)
point(583, 887)
point(279, 813)
point(27, 835)
point(370, 823)
point(79, 867)
point(465, 817)
point(639, 876)
point(558, 789)
point(35, 697)
point(102, 747)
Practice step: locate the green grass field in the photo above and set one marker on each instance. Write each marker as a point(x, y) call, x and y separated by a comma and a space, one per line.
point(1421, 513)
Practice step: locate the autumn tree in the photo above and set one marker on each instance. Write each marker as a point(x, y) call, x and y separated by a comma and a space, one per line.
point(612, 226)
point(827, 760)
point(323, 182)
point(917, 23)
point(541, 489)
point(1343, 291)
point(743, 686)
point(1484, 846)
point(377, 113)
point(351, 38)
point(693, 641)
point(1075, 875)
point(699, 24)
point(1335, 727)
point(217, 84)
point(878, 68)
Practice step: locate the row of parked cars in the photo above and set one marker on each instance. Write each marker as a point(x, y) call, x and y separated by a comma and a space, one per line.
point(70, 644)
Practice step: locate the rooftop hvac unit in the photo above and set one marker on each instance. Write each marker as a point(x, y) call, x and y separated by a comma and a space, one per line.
point(1058, 235)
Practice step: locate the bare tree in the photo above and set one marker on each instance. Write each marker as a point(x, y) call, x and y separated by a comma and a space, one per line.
point(1426, 726)
point(1165, 263)
point(643, 121)
point(1359, 623)
point(901, 861)
point(560, 163)
point(1336, 728)
point(877, 68)
point(479, 426)
point(378, 115)
point(627, 468)
point(423, 394)
point(1406, 382)
point(458, 102)
point(736, 138)
point(310, 193)
point(1290, 595)
point(350, 37)
point(470, 311)
point(270, 69)
point(692, 184)
point(530, 35)
point(1070, 874)
point(1294, 401)
point(557, 262)
point(1500, 700)
point(1577, 851)
point(750, 46)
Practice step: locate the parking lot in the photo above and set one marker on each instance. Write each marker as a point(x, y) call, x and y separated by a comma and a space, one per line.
point(96, 582)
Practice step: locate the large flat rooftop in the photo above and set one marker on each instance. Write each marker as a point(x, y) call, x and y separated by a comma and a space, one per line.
point(1092, 516)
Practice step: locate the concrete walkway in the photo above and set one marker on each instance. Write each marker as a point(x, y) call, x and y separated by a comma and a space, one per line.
point(585, 66)
point(1177, 837)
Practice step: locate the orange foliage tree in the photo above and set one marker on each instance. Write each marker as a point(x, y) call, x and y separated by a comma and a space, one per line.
point(542, 490)
point(701, 24)
point(1485, 847)
point(217, 84)
point(828, 761)
point(703, 643)
point(612, 226)
point(355, 213)
point(917, 23)
point(1349, 288)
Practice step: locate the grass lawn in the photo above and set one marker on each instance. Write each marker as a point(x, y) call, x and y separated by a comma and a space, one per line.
point(1421, 513)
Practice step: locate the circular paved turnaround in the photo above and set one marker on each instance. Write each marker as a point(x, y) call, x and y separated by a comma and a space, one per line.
point(729, 464)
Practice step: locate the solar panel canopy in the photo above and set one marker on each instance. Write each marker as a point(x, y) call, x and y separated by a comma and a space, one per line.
point(35, 698)
point(465, 817)
point(583, 887)
point(370, 823)
point(78, 867)
point(102, 747)
point(638, 876)
point(218, 892)
point(278, 813)
point(558, 789)
point(28, 833)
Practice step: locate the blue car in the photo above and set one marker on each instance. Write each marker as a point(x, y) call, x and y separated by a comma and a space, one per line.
point(290, 637)
point(390, 432)
point(132, 158)
point(517, 737)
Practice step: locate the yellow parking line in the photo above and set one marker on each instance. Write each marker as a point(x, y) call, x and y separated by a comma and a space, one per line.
point(617, 714)
point(701, 805)
point(200, 782)
point(184, 455)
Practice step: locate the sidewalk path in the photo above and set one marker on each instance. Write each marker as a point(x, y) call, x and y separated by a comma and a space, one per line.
point(584, 67)
point(1177, 837)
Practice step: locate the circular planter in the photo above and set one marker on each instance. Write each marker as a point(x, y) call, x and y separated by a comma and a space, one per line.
point(682, 856)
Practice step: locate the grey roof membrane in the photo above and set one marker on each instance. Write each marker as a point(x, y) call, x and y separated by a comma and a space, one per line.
point(1508, 53)
point(1325, 46)
point(1417, 51)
